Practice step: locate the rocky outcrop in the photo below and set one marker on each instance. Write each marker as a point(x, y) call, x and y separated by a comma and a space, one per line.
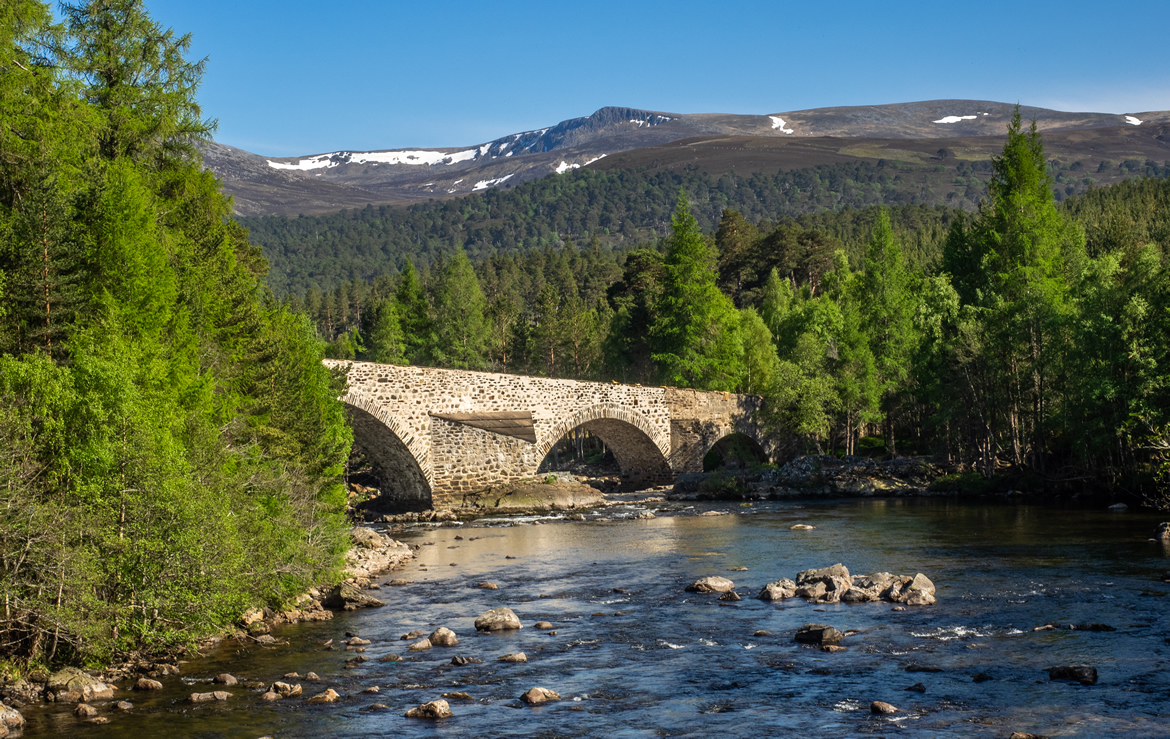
point(869, 588)
point(531, 496)
point(913, 591)
point(825, 585)
point(374, 553)
point(347, 597)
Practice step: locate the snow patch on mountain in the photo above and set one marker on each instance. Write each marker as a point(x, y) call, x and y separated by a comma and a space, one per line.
point(778, 122)
point(956, 118)
point(337, 158)
point(485, 184)
point(1133, 120)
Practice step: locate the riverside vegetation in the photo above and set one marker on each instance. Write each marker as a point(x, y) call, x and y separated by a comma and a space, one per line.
point(171, 447)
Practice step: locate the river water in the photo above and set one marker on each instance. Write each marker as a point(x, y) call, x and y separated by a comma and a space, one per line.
point(681, 664)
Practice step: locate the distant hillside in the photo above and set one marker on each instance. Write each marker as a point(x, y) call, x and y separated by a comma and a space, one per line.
point(330, 181)
point(624, 206)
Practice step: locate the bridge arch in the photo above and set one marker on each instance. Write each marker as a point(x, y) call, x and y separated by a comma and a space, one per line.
point(641, 451)
point(400, 455)
point(735, 448)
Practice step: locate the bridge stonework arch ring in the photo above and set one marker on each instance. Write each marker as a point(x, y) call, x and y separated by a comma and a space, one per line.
point(641, 451)
point(400, 456)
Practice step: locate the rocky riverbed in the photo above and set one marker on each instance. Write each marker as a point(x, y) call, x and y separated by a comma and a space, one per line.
point(1033, 607)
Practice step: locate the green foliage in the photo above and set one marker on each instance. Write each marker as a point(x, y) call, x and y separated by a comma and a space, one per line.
point(696, 332)
point(171, 446)
point(459, 329)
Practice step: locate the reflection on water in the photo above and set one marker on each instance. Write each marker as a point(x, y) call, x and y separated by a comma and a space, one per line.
point(651, 660)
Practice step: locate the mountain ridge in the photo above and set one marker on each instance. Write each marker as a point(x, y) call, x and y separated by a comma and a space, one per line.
point(331, 181)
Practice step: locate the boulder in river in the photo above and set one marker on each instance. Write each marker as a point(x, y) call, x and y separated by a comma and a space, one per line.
point(779, 590)
point(443, 637)
point(1162, 533)
point(420, 646)
point(819, 634)
point(536, 696)
point(84, 710)
point(145, 683)
point(913, 591)
point(226, 679)
point(882, 707)
point(1022, 735)
point(824, 585)
point(71, 685)
point(515, 657)
point(432, 710)
point(460, 661)
point(216, 695)
point(286, 690)
point(714, 584)
point(348, 597)
point(730, 595)
point(10, 717)
point(498, 619)
point(542, 625)
point(869, 588)
point(329, 696)
point(1083, 674)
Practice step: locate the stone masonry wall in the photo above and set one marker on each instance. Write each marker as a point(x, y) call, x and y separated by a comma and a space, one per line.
point(654, 432)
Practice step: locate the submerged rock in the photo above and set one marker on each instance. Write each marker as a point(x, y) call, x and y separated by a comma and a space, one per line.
point(217, 695)
point(1083, 674)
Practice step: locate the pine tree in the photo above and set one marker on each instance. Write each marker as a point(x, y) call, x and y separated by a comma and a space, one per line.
point(696, 333)
point(460, 331)
point(413, 315)
point(886, 301)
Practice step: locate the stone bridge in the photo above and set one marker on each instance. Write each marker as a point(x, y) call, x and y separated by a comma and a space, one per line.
point(435, 434)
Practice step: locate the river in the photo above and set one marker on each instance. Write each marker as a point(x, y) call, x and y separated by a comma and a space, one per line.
point(680, 664)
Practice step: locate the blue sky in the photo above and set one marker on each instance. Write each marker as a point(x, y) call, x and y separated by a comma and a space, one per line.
point(294, 77)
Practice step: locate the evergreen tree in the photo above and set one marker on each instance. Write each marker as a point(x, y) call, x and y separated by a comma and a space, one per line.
point(413, 315)
point(460, 331)
point(886, 300)
point(696, 332)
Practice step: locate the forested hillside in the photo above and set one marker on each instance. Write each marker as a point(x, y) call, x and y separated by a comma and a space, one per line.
point(1024, 340)
point(622, 207)
point(171, 447)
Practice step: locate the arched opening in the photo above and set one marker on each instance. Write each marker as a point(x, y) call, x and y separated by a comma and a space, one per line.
point(615, 452)
point(734, 452)
point(382, 469)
